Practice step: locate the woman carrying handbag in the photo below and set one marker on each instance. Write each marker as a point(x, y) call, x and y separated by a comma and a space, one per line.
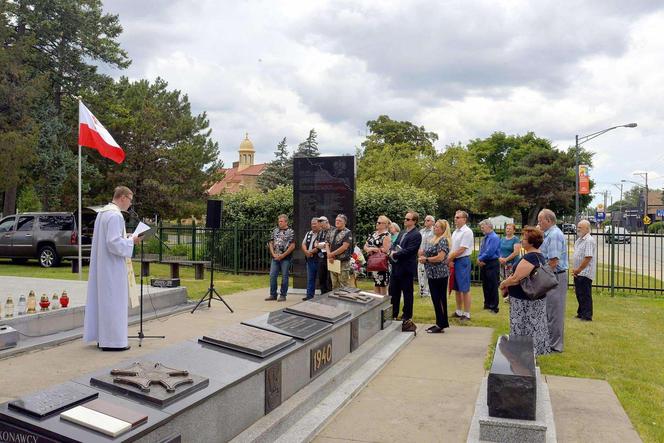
point(527, 312)
point(377, 246)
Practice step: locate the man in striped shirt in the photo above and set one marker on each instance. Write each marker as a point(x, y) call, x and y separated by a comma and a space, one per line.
point(584, 270)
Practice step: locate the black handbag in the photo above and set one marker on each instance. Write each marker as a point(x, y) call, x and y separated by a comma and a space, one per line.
point(540, 281)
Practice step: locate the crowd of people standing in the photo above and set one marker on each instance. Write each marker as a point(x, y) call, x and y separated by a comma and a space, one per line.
point(439, 259)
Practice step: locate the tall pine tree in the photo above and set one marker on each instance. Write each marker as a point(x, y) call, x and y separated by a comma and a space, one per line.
point(279, 171)
point(309, 147)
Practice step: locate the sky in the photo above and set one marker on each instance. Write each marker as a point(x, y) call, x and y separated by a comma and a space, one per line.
point(462, 69)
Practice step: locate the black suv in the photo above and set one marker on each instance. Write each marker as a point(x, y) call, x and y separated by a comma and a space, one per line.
point(46, 236)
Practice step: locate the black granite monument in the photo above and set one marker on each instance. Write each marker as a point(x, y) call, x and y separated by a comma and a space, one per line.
point(321, 186)
point(512, 387)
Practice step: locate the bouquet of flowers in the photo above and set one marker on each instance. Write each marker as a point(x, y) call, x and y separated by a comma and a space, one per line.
point(357, 262)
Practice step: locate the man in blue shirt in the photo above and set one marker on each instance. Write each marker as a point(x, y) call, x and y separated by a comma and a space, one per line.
point(489, 265)
point(554, 250)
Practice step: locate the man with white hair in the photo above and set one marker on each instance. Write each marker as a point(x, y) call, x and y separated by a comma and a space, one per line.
point(489, 265)
point(554, 250)
point(584, 270)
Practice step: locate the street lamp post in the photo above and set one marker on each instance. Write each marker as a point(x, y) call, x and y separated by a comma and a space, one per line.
point(579, 140)
point(645, 175)
point(620, 202)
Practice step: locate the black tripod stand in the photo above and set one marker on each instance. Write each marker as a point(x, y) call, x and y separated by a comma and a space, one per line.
point(211, 292)
point(141, 335)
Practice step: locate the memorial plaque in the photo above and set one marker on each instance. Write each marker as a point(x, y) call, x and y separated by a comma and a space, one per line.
point(165, 282)
point(320, 358)
point(249, 340)
point(511, 385)
point(272, 387)
point(12, 433)
point(354, 334)
point(151, 382)
point(292, 325)
point(330, 314)
point(321, 186)
point(351, 297)
point(53, 400)
point(385, 316)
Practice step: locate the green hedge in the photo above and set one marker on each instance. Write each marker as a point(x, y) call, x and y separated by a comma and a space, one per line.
point(656, 228)
point(260, 209)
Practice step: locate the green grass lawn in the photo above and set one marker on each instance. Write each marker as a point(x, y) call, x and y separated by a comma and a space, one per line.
point(622, 345)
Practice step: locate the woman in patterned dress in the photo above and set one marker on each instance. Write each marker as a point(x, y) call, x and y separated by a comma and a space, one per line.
point(380, 241)
point(528, 317)
point(437, 270)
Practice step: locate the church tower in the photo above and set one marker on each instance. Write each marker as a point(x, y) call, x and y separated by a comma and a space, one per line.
point(246, 153)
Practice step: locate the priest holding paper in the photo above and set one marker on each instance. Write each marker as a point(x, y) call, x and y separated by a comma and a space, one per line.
point(111, 280)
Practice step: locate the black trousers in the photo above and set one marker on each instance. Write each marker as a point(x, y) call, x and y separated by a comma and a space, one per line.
point(490, 276)
point(438, 290)
point(402, 283)
point(324, 281)
point(583, 287)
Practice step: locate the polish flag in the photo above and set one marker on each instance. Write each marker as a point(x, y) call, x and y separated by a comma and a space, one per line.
point(92, 134)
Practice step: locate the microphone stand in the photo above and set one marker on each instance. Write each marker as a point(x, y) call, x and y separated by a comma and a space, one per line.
point(140, 336)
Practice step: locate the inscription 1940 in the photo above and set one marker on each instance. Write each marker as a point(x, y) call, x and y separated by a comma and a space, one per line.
point(321, 358)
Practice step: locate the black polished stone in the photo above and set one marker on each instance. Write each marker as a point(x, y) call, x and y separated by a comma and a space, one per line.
point(319, 311)
point(156, 393)
point(321, 186)
point(385, 316)
point(296, 326)
point(249, 340)
point(512, 386)
point(55, 399)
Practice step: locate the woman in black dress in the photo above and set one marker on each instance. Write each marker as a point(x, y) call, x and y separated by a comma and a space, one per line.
point(435, 265)
point(380, 241)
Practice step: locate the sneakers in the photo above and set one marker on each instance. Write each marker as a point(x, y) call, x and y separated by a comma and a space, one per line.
point(282, 298)
point(271, 298)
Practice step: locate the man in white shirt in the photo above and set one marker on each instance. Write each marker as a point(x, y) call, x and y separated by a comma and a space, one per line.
point(459, 262)
point(584, 270)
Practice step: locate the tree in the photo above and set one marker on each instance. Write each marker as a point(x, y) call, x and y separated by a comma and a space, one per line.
point(170, 158)
point(20, 87)
point(527, 174)
point(309, 147)
point(278, 172)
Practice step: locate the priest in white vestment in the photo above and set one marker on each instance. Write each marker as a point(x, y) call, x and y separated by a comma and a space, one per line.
point(108, 285)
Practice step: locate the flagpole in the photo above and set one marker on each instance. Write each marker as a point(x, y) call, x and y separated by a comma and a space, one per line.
point(80, 209)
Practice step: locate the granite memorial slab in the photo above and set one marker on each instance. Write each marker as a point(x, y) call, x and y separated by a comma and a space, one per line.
point(52, 400)
point(318, 311)
point(352, 297)
point(321, 358)
point(385, 316)
point(272, 387)
point(321, 186)
point(18, 427)
point(296, 326)
point(152, 382)
point(511, 385)
point(249, 340)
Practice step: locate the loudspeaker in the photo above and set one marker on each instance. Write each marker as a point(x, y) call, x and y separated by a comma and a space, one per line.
point(213, 219)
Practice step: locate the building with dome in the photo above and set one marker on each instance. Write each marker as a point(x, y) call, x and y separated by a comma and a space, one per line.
point(244, 173)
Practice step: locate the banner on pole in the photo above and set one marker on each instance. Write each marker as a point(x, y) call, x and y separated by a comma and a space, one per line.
point(584, 180)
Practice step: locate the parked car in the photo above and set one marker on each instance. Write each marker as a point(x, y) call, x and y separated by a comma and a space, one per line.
point(568, 228)
point(620, 235)
point(46, 236)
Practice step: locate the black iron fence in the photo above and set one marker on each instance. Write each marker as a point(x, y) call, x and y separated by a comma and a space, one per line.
point(626, 262)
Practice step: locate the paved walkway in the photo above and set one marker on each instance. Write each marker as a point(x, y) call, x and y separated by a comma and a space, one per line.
point(427, 393)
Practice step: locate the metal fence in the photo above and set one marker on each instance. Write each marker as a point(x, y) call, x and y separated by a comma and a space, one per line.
point(627, 262)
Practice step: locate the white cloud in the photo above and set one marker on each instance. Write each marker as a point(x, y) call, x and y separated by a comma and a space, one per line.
point(461, 68)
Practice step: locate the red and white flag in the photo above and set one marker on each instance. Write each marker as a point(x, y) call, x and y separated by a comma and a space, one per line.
point(93, 135)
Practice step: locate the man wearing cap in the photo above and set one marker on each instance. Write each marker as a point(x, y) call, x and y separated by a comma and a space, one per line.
point(310, 248)
point(324, 281)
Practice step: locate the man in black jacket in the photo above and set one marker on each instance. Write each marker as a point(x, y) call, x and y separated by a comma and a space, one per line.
point(403, 254)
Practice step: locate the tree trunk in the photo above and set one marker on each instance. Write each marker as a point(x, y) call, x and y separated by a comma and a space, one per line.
point(9, 206)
